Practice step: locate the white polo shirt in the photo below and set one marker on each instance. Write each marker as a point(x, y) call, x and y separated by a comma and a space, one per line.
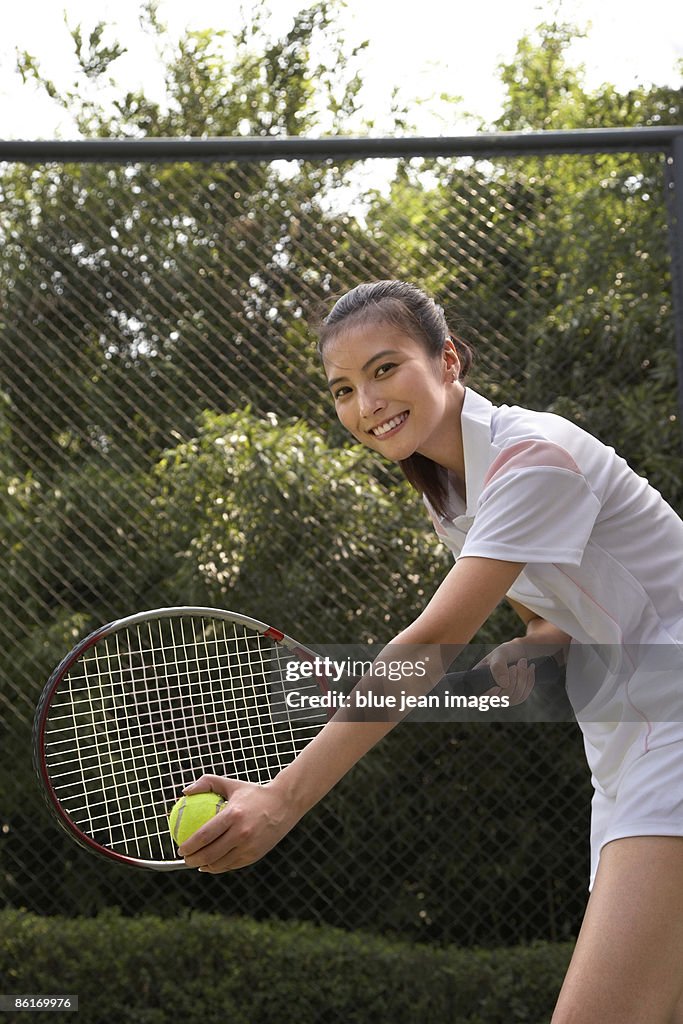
point(604, 562)
point(603, 550)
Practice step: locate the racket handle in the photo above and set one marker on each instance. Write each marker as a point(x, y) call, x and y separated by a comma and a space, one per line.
point(476, 681)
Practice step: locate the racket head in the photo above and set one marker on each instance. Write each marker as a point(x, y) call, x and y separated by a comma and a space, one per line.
point(146, 704)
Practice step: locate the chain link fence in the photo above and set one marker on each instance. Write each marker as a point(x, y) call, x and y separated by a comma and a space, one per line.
point(167, 438)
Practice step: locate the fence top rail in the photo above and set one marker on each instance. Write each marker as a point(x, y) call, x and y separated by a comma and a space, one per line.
point(589, 140)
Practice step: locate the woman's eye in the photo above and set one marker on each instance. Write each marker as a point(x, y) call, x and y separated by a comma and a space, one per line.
point(381, 370)
point(340, 392)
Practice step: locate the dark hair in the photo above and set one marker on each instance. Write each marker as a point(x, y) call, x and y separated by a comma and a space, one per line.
point(416, 314)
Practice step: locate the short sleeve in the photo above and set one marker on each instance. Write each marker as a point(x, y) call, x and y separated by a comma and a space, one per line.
point(535, 506)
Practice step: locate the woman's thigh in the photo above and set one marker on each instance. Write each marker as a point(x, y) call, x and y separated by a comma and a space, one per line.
point(627, 967)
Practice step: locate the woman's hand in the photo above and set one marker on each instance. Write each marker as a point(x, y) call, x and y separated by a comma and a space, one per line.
point(511, 665)
point(512, 670)
point(253, 820)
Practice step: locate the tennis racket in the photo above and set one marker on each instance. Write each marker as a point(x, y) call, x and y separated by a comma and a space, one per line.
point(146, 704)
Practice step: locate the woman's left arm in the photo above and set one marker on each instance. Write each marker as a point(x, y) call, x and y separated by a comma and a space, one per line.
point(257, 817)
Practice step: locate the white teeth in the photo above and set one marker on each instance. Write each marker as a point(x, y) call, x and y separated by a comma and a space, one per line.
point(389, 425)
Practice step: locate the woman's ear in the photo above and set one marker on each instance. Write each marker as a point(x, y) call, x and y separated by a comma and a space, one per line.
point(451, 361)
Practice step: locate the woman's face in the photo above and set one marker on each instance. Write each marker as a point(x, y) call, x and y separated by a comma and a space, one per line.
point(389, 392)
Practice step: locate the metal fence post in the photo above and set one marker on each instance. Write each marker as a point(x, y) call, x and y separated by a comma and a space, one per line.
point(674, 205)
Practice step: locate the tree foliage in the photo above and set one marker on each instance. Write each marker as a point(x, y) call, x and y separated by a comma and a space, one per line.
point(556, 267)
point(164, 436)
point(142, 272)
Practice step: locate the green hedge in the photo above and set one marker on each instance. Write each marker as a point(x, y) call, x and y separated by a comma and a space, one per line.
point(217, 970)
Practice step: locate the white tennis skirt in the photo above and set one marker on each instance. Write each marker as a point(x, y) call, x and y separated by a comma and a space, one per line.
point(629, 704)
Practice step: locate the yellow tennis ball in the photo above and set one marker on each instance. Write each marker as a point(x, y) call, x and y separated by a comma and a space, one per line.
point(191, 812)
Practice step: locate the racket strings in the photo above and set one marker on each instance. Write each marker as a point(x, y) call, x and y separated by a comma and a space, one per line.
point(148, 709)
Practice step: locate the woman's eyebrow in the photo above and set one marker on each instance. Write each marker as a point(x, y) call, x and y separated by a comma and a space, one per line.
point(364, 367)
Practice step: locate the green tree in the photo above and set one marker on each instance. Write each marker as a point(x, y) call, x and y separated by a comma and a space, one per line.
point(140, 273)
point(144, 308)
point(231, 497)
point(607, 326)
point(556, 267)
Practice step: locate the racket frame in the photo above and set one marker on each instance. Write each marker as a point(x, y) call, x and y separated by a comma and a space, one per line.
point(474, 681)
point(54, 804)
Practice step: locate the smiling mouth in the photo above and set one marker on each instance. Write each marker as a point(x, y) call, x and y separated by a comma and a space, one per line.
point(389, 426)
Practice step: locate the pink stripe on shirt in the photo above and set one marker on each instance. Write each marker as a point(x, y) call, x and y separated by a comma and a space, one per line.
point(527, 454)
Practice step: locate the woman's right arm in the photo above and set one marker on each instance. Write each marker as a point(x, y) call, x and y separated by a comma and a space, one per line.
point(510, 662)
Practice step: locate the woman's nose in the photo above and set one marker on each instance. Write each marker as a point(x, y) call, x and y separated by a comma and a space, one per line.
point(371, 402)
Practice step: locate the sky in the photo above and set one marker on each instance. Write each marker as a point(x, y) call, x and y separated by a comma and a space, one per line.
point(429, 47)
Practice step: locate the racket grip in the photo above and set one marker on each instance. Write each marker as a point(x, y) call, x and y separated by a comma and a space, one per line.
point(476, 681)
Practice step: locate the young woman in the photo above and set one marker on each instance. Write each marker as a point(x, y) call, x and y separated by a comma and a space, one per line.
point(591, 556)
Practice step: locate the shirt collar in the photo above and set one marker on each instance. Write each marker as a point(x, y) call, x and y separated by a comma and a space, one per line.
point(475, 424)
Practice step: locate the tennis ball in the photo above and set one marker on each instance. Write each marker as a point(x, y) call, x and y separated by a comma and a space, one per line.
point(191, 812)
